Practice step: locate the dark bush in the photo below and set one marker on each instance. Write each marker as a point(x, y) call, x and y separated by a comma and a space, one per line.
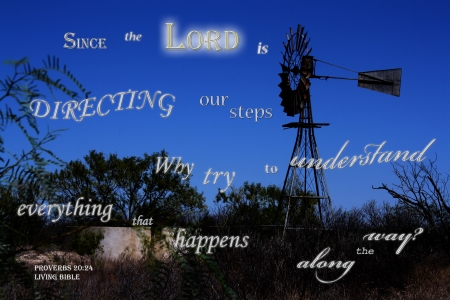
point(86, 241)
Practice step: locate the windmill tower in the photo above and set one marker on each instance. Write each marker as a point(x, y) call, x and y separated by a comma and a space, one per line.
point(306, 180)
point(297, 68)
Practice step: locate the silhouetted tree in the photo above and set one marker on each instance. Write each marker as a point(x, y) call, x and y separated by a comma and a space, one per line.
point(131, 184)
point(425, 191)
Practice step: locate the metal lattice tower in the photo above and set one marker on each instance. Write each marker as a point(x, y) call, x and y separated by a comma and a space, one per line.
point(301, 182)
point(305, 182)
point(305, 178)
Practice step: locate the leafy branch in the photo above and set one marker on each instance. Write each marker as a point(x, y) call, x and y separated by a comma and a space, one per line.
point(28, 168)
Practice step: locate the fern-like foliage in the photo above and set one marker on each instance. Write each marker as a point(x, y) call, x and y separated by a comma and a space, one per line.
point(26, 173)
point(27, 169)
point(15, 279)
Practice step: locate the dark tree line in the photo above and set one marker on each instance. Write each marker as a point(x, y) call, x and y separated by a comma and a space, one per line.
point(254, 204)
point(132, 185)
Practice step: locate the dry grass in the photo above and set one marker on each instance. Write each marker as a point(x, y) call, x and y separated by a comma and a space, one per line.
point(263, 271)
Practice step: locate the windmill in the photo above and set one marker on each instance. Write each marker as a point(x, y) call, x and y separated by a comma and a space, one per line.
point(298, 67)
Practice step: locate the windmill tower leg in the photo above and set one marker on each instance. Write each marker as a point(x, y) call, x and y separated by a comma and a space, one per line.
point(305, 179)
point(305, 182)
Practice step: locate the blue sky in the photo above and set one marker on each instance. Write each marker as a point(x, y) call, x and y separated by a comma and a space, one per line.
point(362, 36)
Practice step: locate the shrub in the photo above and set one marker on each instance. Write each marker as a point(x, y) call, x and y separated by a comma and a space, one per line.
point(86, 242)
